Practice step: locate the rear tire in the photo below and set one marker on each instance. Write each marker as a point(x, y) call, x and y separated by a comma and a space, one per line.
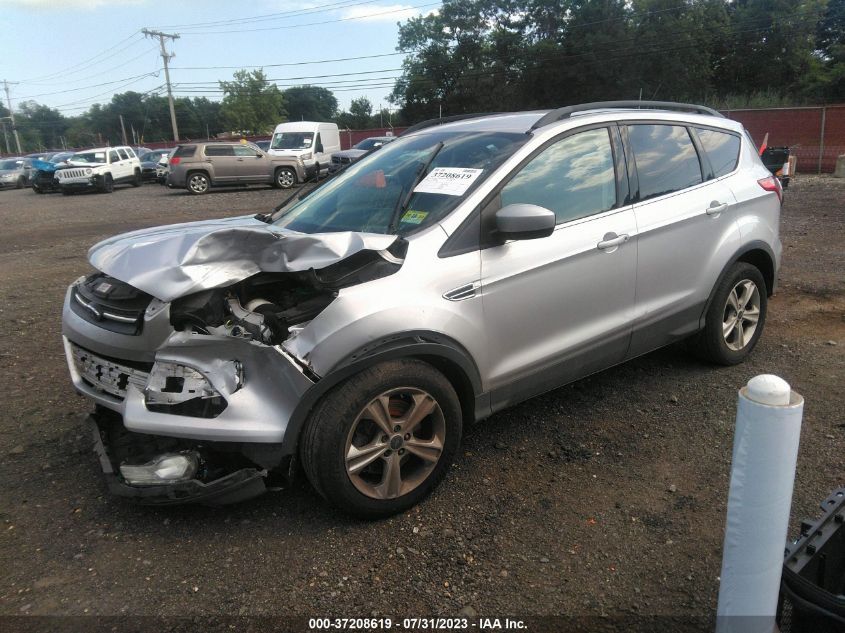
point(136, 180)
point(197, 183)
point(375, 468)
point(736, 316)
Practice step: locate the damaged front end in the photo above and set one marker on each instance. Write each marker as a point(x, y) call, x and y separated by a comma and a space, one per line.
point(178, 342)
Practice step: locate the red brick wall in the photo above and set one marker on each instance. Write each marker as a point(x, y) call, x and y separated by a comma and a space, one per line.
point(800, 130)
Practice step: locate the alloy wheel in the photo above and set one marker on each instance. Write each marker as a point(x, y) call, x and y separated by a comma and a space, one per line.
point(741, 314)
point(395, 443)
point(198, 183)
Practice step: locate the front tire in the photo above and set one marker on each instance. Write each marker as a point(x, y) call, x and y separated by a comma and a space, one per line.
point(107, 184)
point(21, 183)
point(285, 178)
point(736, 316)
point(381, 441)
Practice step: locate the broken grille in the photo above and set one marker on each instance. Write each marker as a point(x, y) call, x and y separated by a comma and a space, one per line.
point(106, 375)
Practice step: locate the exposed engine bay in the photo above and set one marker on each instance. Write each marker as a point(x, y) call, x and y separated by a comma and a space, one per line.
point(269, 307)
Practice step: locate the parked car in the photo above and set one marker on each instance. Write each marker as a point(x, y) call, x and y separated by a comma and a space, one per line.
point(346, 157)
point(163, 167)
point(311, 142)
point(200, 166)
point(60, 157)
point(15, 172)
point(150, 163)
point(465, 267)
point(99, 169)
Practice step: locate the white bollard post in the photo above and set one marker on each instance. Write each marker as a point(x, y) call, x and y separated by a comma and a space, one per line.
point(765, 450)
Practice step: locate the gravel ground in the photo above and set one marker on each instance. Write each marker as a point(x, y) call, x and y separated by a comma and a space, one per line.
point(606, 497)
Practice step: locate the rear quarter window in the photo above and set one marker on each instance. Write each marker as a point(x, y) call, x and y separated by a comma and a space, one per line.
point(185, 151)
point(722, 150)
point(666, 159)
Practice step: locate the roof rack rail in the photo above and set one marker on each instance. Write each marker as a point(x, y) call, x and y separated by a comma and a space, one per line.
point(446, 119)
point(566, 112)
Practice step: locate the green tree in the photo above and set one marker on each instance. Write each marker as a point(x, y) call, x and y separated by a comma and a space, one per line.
point(310, 103)
point(39, 126)
point(251, 104)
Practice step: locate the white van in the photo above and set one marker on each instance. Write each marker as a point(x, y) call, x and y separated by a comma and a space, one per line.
point(311, 142)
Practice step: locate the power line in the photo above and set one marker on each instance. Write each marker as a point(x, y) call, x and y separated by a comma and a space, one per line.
point(70, 69)
point(296, 26)
point(316, 61)
point(324, 8)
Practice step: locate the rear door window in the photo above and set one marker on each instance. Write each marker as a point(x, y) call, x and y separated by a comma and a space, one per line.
point(666, 159)
point(123, 154)
point(219, 150)
point(722, 150)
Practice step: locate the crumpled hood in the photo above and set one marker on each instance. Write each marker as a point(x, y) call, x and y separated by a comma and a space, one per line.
point(172, 261)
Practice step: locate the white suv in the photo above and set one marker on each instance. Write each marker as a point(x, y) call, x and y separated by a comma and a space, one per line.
point(101, 169)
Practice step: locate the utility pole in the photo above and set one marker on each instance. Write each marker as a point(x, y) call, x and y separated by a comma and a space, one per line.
point(123, 129)
point(166, 57)
point(12, 116)
point(6, 137)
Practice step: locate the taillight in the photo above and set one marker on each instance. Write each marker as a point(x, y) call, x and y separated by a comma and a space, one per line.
point(772, 184)
point(175, 160)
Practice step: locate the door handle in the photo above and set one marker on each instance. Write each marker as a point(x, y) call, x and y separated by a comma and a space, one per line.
point(240, 160)
point(716, 207)
point(611, 241)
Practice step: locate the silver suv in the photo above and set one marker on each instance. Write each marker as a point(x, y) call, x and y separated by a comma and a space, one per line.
point(465, 267)
point(199, 166)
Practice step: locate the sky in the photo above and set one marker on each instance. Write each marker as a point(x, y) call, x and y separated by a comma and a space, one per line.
point(70, 54)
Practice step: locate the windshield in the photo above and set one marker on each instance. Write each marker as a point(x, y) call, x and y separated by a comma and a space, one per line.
point(370, 143)
point(58, 158)
point(387, 188)
point(292, 140)
point(89, 157)
point(11, 164)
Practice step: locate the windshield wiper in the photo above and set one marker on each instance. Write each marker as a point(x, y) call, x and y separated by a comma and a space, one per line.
point(405, 197)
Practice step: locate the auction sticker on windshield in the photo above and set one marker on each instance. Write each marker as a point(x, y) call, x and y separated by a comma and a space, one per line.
point(450, 181)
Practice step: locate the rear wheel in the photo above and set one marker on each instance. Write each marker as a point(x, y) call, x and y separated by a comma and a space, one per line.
point(736, 316)
point(198, 183)
point(285, 178)
point(136, 179)
point(381, 441)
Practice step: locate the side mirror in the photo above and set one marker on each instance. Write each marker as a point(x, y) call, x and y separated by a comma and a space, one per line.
point(524, 222)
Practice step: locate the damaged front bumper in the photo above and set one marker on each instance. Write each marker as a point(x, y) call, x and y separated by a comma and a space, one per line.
point(145, 387)
point(231, 487)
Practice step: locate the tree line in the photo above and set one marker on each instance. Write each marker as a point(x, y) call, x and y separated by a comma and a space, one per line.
point(504, 55)
point(251, 105)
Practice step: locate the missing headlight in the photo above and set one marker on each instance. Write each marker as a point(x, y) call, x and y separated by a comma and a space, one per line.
point(182, 390)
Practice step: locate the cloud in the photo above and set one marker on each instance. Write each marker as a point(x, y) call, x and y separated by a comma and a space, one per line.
point(63, 5)
point(381, 12)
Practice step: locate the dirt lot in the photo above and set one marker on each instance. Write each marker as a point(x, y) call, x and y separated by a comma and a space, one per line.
point(606, 497)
